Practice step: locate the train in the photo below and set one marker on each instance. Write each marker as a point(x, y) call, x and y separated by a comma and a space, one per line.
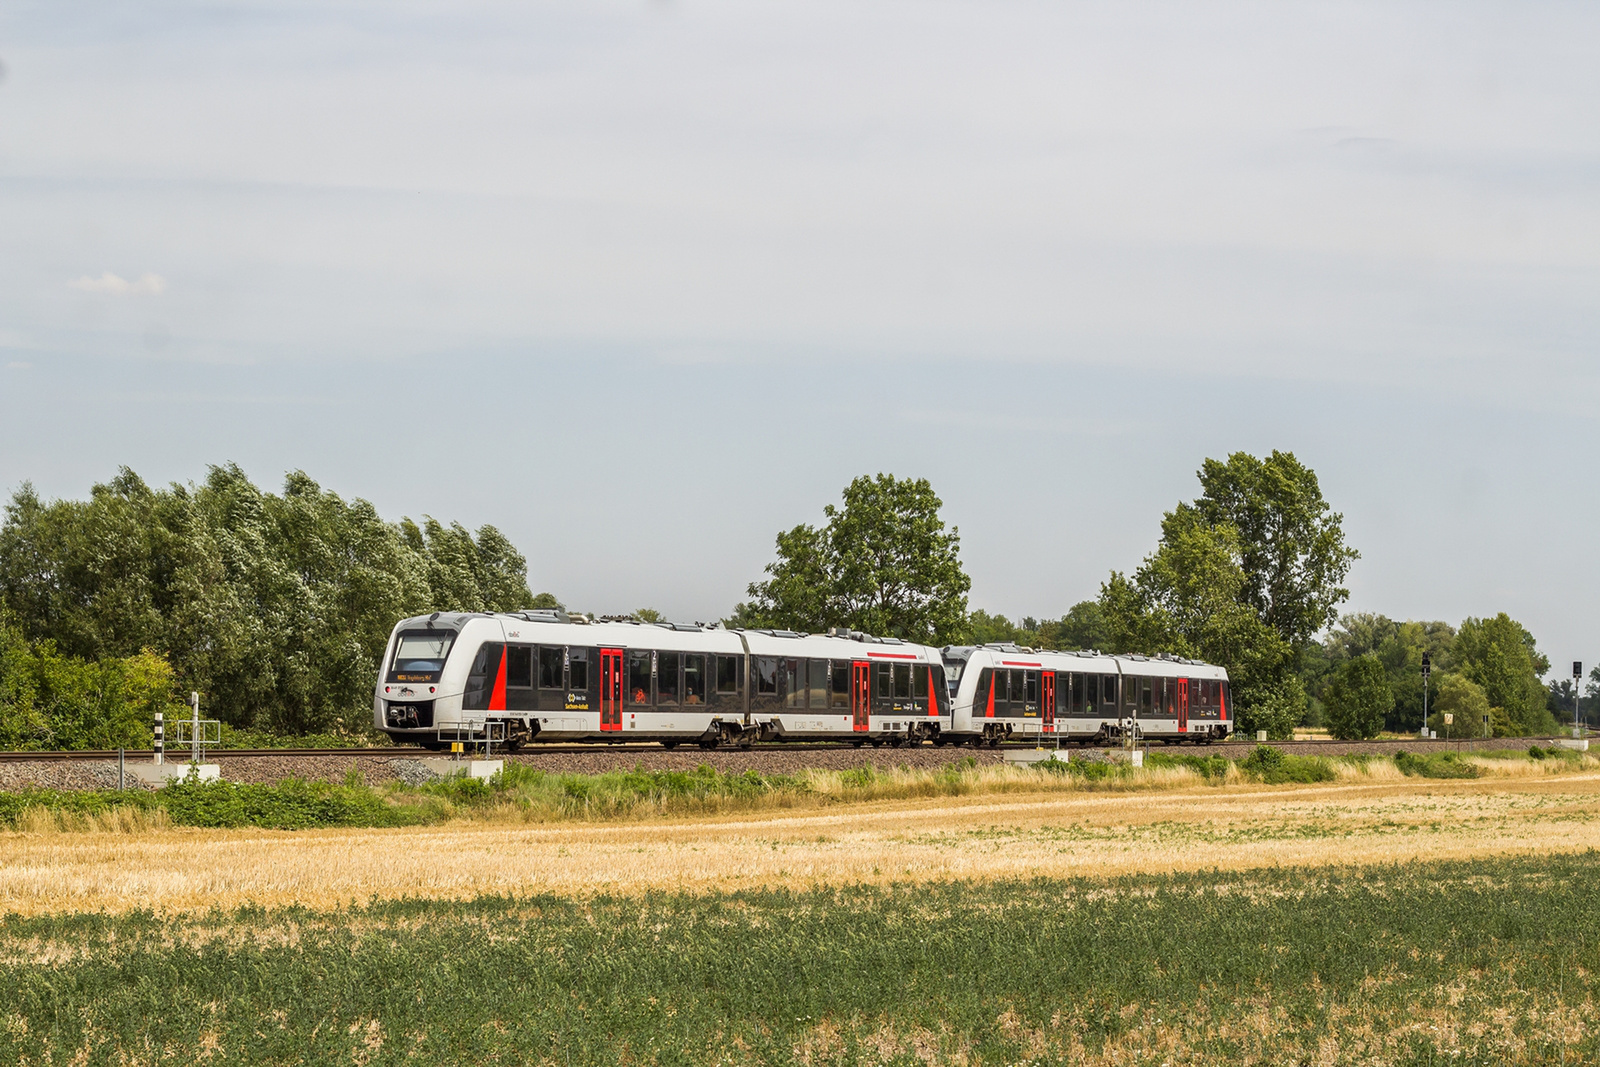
point(521, 678)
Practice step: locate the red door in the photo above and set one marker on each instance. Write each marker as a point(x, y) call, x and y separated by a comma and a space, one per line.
point(611, 689)
point(1049, 697)
point(861, 696)
point(1183, 705)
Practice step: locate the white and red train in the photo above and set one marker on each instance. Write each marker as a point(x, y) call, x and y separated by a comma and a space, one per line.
point(547, 676)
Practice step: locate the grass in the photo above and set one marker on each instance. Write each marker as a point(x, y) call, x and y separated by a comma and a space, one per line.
point(1063, 831)
point(364, 737)
point(528, 794)
point(1462, 963)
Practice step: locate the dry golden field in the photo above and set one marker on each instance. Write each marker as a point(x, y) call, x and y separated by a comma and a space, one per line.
point(1358, 820)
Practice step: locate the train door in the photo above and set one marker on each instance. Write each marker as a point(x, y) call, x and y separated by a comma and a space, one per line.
point(1049, 699)
point(611, 689)
point(1183, 704)
point(861, 696)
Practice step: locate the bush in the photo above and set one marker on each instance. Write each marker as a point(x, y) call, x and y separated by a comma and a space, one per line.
point(1435, 765)
point(52, 701)
point(1277, 710)
point(1358, 699)
point(1275, 767)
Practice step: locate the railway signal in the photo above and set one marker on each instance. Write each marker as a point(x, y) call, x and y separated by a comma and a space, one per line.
point(1427, 668)
point(1577, 676)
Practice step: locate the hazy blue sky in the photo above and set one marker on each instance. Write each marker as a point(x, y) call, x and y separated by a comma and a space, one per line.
point(641, 284)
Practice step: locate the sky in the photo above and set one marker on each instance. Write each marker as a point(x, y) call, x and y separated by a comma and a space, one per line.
point(642, 284)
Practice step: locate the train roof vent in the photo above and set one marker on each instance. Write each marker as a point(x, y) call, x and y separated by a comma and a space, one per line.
point(690, 627)
point(541, 615)
point(619, 618)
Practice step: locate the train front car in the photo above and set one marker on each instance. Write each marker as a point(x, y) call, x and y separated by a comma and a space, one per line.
point(423, 683)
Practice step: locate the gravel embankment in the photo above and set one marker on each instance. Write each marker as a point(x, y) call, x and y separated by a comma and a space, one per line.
point(336, 766)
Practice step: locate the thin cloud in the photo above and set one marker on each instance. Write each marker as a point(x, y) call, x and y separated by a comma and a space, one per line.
point(114, 285)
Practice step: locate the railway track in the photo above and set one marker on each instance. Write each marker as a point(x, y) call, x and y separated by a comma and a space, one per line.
point(1220, 747)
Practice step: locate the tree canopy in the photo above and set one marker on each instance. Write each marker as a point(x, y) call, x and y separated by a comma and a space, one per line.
point(1358, 699)
point(884, 564)
point(1291, 543)
point(1243, 577)
point(275, 608)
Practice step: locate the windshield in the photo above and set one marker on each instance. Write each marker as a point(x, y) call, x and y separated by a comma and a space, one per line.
point(421, 652)
point(955, 660)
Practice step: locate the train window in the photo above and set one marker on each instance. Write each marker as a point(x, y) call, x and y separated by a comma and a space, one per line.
point(519, 666)
point(839, 692)
point(638, 677)
point(766, 676)
point(480, 679)
point(1108, 694)
point(881, 688)
point(939, 693)
point(667, 670)
point(919, 684)
point(794, 683)
point(422, 651)
point(550, 668)
point(694, 679)
point(1074, 691)
point(1145, 695)
point(819, 683)
point(986, 680)
point(902, 681)
point(1169, 695)
point(1031, 683)
point(728, 668)
point(579, 658)
point(1016, 686)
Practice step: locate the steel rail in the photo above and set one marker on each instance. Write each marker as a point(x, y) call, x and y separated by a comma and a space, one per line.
point(1150, 743)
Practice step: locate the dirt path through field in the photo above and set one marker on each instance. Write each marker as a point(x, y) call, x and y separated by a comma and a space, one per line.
point(967, 837)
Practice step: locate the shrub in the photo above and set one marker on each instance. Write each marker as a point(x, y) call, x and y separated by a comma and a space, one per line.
point(1435, 765)
point(1358, 699)
point(1275, 767)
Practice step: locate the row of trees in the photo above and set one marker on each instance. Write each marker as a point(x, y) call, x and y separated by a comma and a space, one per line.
point(1247, 575)
point(275, 607)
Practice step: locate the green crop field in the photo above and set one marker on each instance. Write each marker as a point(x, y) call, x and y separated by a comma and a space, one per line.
point(1480, 962)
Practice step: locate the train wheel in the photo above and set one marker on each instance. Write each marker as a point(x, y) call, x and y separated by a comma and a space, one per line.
point(670, 745)
point(858, 744)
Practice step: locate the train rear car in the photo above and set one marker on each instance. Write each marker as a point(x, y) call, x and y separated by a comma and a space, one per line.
point(1004, 691)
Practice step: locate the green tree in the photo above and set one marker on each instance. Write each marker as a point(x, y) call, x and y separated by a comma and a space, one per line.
point(275, 608)
point(1358, 698)
point(52, 701)
point(1243, 577)
point(1292, 543)
point(1466, 703)
point(885, 564)
point(1082, 627)
point(1500, 655)
point(1399, 646)
point(1187, 599)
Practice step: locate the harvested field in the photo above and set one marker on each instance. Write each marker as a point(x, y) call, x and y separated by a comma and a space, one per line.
point(1473, 962)
point(1357, 820)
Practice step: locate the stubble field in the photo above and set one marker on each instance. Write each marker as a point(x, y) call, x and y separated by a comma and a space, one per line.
point(1366, 920)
